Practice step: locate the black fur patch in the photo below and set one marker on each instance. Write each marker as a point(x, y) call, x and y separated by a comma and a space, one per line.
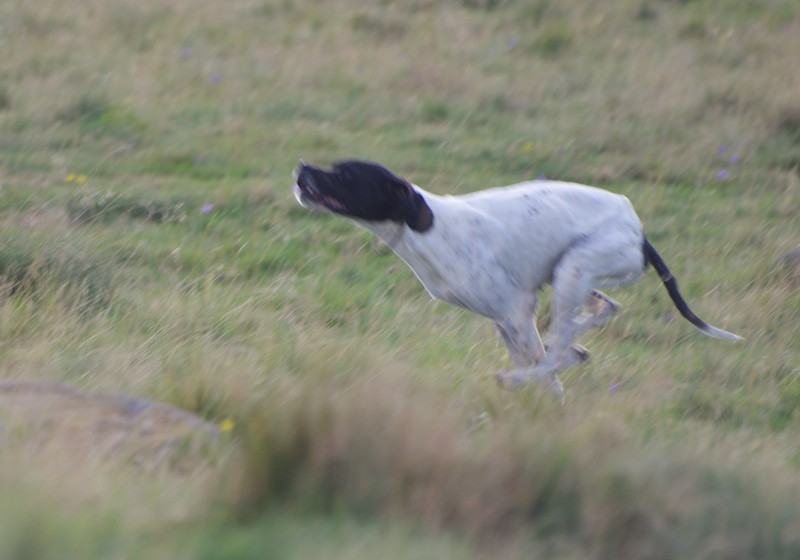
point(365, 191)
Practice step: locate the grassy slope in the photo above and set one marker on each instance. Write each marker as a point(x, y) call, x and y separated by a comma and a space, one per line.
point(355, 396)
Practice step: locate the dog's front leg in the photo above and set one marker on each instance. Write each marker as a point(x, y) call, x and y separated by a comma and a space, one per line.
point(517, 327)
point(522, 341)
point(528, 352)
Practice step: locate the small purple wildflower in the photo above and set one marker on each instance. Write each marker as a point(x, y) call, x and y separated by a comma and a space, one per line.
point(735, 158)
point(186, 52)
point(722, 150)
point(723, 174)
point(207, 208)
point(614, 387)
point(511, 43)
point(216, 78)
point(541, 178)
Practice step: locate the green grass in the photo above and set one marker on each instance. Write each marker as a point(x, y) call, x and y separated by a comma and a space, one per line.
point(150, 244)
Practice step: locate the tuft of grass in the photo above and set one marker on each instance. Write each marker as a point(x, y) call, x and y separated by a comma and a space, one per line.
point(539, 11)
point(433, 110)
point(379, 27)
point(379, 449)
point(781, 149)
point(787, 123)
point(97, 115)
point(553, 41)
point(647, 11)
point(327, 536)
point(91, 206)
point(787, 410)
point(5, 98)
point(694, 29)
point(86, 108)
point(195, 165)
point(484, 4)
point(37, 268)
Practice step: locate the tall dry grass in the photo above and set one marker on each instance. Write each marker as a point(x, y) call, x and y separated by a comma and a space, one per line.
point(381, 447)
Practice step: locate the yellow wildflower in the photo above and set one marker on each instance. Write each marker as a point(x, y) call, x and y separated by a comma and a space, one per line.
point(227, 425)
point(77, 179)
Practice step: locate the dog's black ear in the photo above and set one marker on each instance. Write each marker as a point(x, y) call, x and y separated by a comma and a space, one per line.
point(418, 214)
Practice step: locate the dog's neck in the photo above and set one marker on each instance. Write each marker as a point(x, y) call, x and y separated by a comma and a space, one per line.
point(394, 233)
point(424, 252)
point(390, 232)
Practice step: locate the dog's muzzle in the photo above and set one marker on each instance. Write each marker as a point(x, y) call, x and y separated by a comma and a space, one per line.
point(308, 193)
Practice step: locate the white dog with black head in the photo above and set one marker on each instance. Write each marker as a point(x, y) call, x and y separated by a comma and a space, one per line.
point(492, 251)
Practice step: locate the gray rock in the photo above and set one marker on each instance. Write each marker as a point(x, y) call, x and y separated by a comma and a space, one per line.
point(109, 425)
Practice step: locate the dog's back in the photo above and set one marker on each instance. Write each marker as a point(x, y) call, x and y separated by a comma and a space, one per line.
point(558, 201)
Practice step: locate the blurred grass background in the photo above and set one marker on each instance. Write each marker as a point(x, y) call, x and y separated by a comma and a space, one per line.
point(150, 244)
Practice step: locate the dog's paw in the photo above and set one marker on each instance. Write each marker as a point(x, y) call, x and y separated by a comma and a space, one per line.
point(519, 378)
point(576, 354)
point(581, 353)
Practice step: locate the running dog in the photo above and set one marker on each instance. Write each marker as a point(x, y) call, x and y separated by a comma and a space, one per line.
point(492, 251)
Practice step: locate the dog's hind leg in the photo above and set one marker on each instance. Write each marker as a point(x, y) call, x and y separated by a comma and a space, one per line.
point(604, 260)
point(598, 310)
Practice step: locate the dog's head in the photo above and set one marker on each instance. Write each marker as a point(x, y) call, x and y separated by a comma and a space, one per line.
point(362, 191)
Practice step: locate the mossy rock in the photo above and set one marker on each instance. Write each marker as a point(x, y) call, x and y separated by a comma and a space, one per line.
point(110, 426)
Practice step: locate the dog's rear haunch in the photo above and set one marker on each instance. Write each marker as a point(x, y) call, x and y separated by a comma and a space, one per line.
point(493, 250)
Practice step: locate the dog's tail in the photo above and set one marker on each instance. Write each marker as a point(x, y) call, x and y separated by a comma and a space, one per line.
point(651, 256)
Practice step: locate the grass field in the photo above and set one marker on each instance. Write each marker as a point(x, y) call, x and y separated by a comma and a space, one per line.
point(150, 244)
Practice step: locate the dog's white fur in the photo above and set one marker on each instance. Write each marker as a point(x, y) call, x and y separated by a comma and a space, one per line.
point(492, 251)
